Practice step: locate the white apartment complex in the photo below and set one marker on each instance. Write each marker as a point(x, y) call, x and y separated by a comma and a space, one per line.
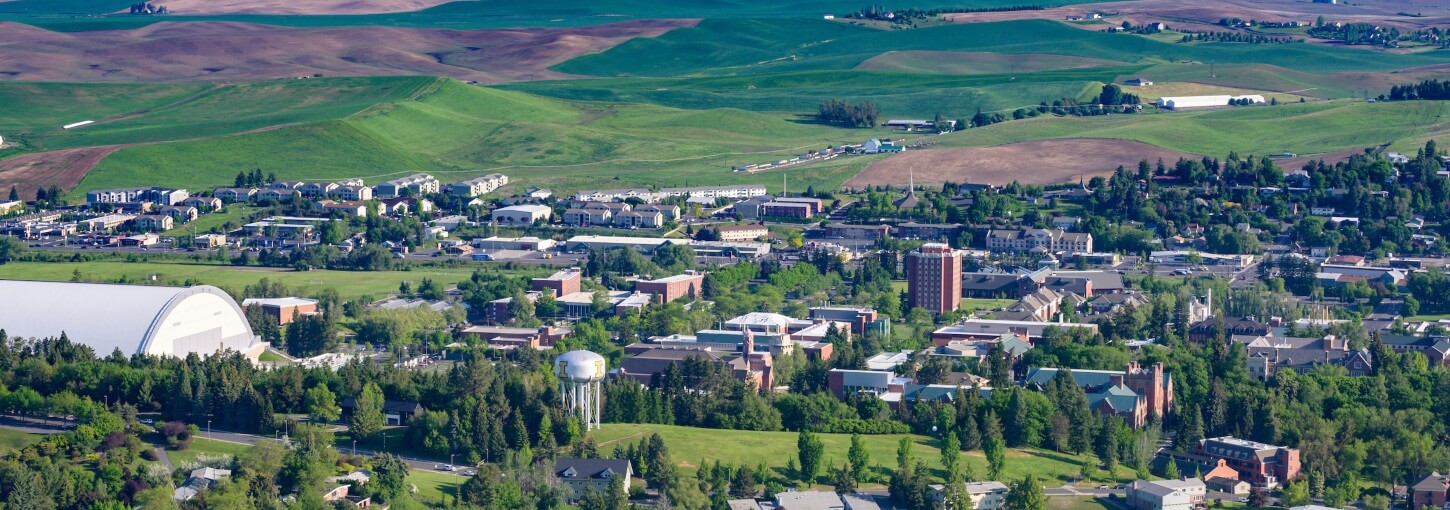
point(1051, 240)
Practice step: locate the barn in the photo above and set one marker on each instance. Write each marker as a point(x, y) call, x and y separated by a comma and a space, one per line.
point(154, 320)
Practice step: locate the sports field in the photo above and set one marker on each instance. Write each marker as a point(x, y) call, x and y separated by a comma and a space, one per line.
point(689, 446)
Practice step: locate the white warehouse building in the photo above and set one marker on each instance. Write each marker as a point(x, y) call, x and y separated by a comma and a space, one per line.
point(160, 321)
point(1181, 102)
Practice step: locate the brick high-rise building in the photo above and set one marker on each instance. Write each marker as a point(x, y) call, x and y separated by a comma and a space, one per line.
point(934, 278)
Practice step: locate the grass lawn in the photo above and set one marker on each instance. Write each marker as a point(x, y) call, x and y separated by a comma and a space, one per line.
point(201, 445)
point(15, 440)
point(973, 304)
point(434, 485)
point(1431, 317)
point(1077, 503)
point(349, 284)
point(689, 446)
point(236, 214)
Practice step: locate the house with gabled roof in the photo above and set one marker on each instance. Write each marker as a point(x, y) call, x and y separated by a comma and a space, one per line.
point(575, 476)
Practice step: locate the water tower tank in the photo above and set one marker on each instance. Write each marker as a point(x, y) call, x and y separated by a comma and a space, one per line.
point(580, 366)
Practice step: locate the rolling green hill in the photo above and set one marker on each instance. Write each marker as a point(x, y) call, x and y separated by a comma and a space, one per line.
point(736, 46)
point(154, 113)
point(1308, 128)
point(896, 94)
point(456, 130)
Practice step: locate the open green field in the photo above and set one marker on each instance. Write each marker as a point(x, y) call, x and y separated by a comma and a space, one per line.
point(11, 440)
point(202, 445)
point(176, 112)
point(434, 485)
point(78, 15)
point(349, 284)
point(735, 46)
point(457, 131)
point(1352, 83)
point(965, 62)
point(689, 446)
point(895, 94)
point(1308, 128)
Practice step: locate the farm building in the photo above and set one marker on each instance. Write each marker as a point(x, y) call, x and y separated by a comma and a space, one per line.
point(161, 321)
point(1181, 102)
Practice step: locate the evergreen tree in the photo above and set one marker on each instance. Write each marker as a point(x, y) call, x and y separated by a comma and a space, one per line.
point(996, 458)
point(1026, 495)
point(14, 193)
point(951, 457)
point(367, 413)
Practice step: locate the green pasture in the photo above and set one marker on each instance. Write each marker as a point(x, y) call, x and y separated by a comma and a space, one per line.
point(895, 94)
point(758, 46)
point(349, 284)
point(963, 62)
point(689, 446)
point(1303, 128)
point(176, 112)
point(457, 131)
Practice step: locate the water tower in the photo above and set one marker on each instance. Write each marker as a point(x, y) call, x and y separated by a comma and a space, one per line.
point(579, 375)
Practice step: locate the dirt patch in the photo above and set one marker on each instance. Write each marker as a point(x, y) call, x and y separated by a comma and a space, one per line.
point(218, 51)
point(298, 7)
point(63, 168)
point(1200, 15)
point(1036, 162)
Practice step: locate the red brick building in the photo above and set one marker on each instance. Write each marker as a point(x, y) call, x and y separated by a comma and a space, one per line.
point(934, 278)
point(1260, 464)
point(562, 283)
point(283, 309)
point(689, 285)
point(1433, 491)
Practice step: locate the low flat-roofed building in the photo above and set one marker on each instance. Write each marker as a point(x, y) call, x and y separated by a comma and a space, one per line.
point(689, 285)
point(737, 233)
point(1167, 494)
point(522, 215)
point(987, 329)
point(562, 282)
point(514, 243)
point(285, 309)
point(645, 245)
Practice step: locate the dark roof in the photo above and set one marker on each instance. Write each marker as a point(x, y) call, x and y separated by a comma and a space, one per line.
point(655, 360)
point(586, 469)
point(389, 406)
point(1434, 482)
point(989, 281)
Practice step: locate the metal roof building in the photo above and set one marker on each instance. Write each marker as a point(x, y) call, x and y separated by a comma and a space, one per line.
point(162, 321)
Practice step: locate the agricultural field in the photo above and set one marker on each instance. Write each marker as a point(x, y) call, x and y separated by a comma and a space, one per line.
point(965, 62)
point(456, 131)
point(689, 446)
point(349, 284)
point(1308, 128)
point(1034, 162)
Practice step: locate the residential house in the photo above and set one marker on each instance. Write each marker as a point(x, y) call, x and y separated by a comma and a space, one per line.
point(478, 185)
point(738, 233)
point(180, 213)
point(155, 222)
point(418, 184)
point(199, 481)
point(353, 193)
point(577, 476)
point(639, 219)
point(1431, 492)
point(203, 204)
point(234, 195)
point(588, 217)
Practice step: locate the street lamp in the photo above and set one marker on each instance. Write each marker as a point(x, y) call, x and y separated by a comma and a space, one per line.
point(354, 447)
point(208, 429)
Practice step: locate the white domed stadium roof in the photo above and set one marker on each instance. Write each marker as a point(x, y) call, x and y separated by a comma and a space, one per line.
point(163, 321)
point(580, 366)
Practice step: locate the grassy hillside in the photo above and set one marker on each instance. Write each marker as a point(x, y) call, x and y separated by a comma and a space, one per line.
point(152, 113)
point(457, 130)
point(965, 62)
point(1307, 128)
point(735, 46)
point(689, 446)
point(896, 94)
